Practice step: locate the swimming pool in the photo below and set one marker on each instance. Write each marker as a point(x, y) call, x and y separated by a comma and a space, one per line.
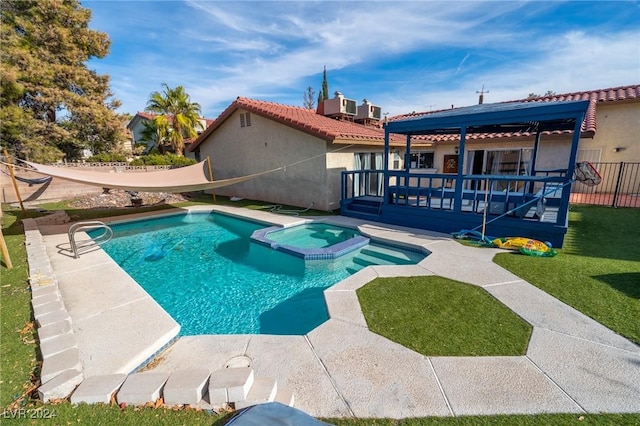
point(205, 271)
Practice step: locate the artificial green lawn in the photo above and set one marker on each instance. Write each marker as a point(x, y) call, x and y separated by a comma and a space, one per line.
point(18, 363)
point(436, 316)
point(598, 269)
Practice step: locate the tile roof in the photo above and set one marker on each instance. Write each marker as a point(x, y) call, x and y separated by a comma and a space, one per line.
point(305, 120)
point(614, 94)
point(147, 115)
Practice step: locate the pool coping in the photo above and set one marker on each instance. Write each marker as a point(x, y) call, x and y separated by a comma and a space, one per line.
point(341, 369)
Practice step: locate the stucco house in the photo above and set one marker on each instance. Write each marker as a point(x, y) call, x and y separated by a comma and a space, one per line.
point(316, 146)
point(609, 135)
point(136, 127)
point(253, 136)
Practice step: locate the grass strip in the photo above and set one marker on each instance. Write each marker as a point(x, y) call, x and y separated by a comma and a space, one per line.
point(437, 316)
point(597, 271)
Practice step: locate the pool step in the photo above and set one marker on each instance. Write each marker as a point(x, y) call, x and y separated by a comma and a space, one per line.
point(376, 255)
point(389, 255)
point(363, 260)
point(353, 269)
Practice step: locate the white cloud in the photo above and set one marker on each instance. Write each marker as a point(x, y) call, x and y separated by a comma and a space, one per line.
point(416, 55)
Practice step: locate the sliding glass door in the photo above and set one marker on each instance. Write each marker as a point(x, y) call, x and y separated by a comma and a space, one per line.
point(368, 183)
point(500, 162)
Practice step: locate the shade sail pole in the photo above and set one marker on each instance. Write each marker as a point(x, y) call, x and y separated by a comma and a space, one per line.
point(213, 190)
point(13, 179)
point(5, 252)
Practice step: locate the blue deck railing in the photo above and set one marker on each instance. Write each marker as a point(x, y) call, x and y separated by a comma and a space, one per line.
point(523, 197)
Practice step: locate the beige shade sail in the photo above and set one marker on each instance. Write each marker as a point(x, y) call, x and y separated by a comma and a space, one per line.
point(183, 179)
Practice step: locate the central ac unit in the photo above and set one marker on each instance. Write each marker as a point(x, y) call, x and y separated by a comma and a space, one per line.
point(339, 105)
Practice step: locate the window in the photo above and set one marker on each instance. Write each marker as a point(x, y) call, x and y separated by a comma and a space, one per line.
point(396, 161)
point(422, 160)
point(245, 119)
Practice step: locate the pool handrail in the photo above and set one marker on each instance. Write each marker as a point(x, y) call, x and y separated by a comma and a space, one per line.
point(82, 246)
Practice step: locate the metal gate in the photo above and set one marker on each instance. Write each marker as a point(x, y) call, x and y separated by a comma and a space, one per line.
point(620, 186)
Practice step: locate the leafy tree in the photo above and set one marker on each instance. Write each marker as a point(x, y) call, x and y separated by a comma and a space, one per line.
point(166, 159)
point(107, 158)
point(309, 101)
point(51, 104)
point(178, 118)
point(535, 95)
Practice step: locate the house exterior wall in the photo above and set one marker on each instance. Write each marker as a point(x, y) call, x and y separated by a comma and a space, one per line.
point(618, 126)
point(265, 145)
point(136, 127)
point(313, 166)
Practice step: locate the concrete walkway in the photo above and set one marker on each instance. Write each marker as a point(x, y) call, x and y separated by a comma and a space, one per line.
point(341, 369)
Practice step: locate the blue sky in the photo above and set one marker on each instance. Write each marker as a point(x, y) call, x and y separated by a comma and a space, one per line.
point(403, 56)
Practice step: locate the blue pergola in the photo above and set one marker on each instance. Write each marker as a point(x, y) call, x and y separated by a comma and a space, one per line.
point(533, 205)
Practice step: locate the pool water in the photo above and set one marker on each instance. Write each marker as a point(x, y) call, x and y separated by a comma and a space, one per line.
point(203, 269)
point(313, 235)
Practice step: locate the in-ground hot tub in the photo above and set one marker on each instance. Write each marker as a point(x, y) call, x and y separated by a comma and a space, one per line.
point(311, 240)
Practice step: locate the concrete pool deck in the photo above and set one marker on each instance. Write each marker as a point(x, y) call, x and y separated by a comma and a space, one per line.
point(340, 369)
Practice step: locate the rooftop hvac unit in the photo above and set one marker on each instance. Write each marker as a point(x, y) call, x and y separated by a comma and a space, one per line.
point(340, 105)
point(368, 111)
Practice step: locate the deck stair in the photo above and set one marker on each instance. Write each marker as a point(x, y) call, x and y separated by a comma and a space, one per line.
point(370, 205)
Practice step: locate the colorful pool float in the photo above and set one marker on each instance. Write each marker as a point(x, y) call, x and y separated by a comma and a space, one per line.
point(526, 246)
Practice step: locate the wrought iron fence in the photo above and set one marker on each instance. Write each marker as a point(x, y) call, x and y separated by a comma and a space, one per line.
point(620, 186)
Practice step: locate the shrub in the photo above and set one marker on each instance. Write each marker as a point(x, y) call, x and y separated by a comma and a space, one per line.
point(163, 160)
point(106, 157)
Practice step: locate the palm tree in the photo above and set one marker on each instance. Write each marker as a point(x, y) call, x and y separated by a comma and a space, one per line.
point(178, 117)
point(155, 133)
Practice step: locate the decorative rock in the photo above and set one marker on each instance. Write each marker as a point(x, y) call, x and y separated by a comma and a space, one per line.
point(43, 299)
point(60, 386)
point(140, 388)
point(97, 389)
point(53, 330)
point(39, 291)
point(53, 317)
point(57, 344)
point(285, 396)
point(47, 308)
point(230, 385)
point(263, 390)
point(56, 364)
point(185, 387)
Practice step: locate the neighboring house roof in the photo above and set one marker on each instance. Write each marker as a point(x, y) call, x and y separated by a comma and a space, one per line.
point(614, 94)
point(305, 120)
